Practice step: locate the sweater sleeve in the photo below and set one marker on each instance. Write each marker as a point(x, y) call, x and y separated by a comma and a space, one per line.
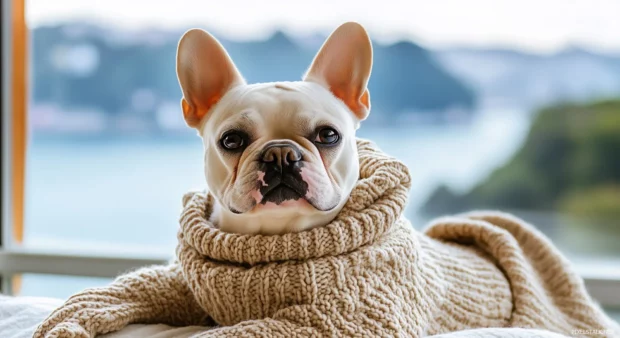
point(157, 294)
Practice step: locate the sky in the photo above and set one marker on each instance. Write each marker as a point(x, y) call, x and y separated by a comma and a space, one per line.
point(542, 26)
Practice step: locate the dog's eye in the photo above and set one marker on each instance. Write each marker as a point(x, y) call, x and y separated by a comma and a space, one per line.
point(327, 136)
point(233, 140)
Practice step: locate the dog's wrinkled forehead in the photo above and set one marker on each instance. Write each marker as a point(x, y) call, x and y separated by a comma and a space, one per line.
point(279, 109)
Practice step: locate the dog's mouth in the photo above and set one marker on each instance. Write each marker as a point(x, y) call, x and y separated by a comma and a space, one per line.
point(282, 188)
point(280, 194)
point(278, 191)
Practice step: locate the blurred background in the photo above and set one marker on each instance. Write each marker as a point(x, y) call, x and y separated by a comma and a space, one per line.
point(511, 105)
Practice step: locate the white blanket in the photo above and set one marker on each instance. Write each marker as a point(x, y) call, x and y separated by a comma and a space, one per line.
point(19, 317)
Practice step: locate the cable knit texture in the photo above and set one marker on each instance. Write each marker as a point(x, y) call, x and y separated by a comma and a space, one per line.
point(367, 273)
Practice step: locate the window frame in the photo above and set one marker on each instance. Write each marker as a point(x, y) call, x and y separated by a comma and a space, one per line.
point(15, 260)
point(5, 231)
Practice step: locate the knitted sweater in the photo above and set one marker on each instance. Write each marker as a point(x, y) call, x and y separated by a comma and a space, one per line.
point(367, 273)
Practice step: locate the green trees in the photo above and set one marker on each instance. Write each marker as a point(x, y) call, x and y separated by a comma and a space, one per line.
point(570, 163)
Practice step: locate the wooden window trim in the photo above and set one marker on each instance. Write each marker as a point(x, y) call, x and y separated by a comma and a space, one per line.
point(19, 101)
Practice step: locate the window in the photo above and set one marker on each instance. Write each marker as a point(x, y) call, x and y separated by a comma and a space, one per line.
point(17, 255)
point(532, 128)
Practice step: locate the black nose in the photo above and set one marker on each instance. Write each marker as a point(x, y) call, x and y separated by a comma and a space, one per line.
point(281, 154)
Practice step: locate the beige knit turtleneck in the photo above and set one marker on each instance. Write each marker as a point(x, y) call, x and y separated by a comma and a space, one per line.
point(367, 273)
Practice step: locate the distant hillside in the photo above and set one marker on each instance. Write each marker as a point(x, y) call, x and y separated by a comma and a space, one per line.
point(565, 179)
point(116, 72)
point(569, 166)
point(530, 80)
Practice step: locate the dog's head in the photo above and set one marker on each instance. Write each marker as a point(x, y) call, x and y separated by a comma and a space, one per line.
point(280, 156)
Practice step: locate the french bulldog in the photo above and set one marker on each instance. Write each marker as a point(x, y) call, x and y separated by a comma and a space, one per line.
point(279, 157)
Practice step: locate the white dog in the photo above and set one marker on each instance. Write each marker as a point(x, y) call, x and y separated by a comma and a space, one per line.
point(282, 151)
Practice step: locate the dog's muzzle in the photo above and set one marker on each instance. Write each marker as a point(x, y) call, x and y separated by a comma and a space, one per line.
point(281, 162)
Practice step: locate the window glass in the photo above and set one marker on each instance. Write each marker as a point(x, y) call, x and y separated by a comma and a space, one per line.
point(495, 115)
point(55, 286)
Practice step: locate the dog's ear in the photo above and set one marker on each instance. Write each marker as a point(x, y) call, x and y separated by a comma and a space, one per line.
point(343, 65)
point(205, 73)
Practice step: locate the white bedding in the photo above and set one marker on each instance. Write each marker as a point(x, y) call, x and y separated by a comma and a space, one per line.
point(19, 317)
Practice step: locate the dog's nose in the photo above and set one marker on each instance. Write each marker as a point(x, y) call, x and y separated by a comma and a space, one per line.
point(281, 154)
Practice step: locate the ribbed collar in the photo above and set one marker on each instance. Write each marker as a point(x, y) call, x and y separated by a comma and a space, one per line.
point(375, 204)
